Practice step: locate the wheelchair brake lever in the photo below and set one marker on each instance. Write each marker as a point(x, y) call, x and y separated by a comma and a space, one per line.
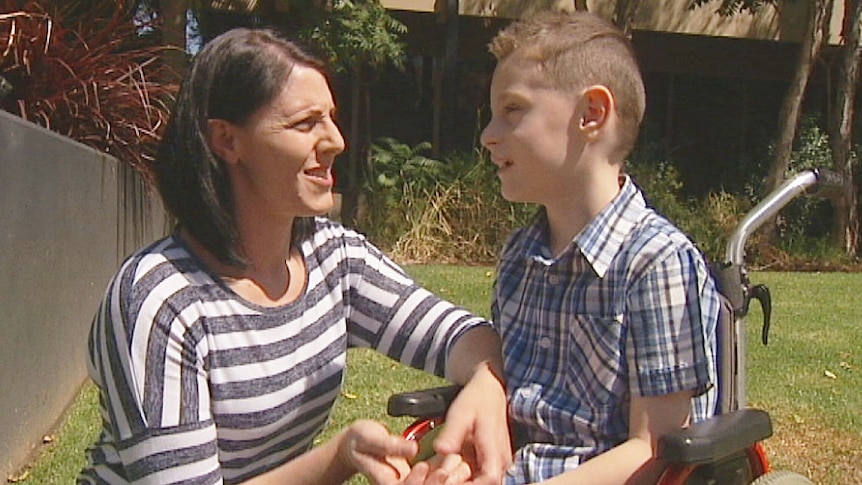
point(761, 294)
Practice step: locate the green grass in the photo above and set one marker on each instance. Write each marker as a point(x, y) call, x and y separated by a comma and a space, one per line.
point(62, 456)
point(809, 377)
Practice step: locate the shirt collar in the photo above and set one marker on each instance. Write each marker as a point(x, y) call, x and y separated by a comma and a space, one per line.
point(601, 239)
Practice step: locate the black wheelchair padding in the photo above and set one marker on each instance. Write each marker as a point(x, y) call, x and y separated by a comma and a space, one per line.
point(426, 403)
point(715, 438)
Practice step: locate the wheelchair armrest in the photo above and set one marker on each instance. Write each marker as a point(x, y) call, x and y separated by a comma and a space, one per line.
point(426, 403)
point(715, 438)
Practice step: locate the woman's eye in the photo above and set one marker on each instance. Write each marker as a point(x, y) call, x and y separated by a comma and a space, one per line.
point(305, 125)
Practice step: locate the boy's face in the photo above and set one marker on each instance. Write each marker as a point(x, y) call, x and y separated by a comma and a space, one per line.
point(533, 134)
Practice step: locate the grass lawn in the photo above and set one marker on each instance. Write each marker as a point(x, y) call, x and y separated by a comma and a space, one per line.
point(809, 377)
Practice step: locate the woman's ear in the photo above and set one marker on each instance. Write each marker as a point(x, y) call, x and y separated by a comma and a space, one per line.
point(598, 102)
point(221, 137)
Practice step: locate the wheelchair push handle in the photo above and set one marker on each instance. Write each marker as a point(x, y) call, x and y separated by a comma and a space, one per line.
point(816, 182)
point(828, 181)
point(822, 179)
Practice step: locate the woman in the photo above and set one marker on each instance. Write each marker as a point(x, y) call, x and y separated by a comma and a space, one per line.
point(219, 351)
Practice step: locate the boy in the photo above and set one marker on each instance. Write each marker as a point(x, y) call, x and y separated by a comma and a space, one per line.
point(606, 310)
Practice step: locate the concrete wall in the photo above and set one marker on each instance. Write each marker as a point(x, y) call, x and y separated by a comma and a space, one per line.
point(68, 216)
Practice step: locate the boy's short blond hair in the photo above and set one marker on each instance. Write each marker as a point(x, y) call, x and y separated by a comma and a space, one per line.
point(576, 50)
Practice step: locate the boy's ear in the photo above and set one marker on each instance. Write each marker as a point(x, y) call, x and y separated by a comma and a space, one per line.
point(598, 105)
point(222, 140)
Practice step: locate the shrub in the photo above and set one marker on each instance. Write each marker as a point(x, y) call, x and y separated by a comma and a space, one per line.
point(709, 221)
point(422, 209)
point(86, 74)
point(806, 218)
point(451, 210)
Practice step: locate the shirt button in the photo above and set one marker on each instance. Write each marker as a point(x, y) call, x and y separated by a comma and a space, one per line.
point(545, 342)
point(553, 279)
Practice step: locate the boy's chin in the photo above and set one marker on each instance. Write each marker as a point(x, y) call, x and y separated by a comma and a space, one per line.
point(510, 196)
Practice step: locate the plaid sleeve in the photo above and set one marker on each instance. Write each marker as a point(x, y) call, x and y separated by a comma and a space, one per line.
point(672, 312)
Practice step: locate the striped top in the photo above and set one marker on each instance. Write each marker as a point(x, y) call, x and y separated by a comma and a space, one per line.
point(198, 385)
point(628, 309)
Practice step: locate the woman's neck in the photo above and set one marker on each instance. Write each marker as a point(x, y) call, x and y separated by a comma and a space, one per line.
point(274, 274)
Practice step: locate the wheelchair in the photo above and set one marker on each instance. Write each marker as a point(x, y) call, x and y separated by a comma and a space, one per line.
point(726, 449)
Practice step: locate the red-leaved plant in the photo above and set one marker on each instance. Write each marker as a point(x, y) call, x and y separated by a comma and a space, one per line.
point(86, 72)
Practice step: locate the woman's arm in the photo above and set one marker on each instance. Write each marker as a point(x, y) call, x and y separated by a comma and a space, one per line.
point(389, 312)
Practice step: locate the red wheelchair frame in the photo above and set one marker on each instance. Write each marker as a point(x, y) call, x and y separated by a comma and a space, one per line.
point(725, 449)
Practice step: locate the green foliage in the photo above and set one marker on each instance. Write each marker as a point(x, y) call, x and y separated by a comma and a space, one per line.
point(357, 33)
point(397, 186)
point(397, 165)
point(806, 219)
point(803, 227)
point(708, 222)
point(422, 209)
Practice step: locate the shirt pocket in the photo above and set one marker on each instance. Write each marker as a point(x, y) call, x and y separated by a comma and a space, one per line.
point(596, 365)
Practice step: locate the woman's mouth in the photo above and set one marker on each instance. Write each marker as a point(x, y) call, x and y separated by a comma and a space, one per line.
point(320, 175)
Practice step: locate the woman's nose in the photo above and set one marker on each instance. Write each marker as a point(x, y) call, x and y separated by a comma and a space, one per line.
point(334, 137)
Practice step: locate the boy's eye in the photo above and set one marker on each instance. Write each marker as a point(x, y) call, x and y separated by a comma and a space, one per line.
point(511, 108)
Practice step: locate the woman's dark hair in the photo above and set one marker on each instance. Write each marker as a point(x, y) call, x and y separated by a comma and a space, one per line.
point(232, 77)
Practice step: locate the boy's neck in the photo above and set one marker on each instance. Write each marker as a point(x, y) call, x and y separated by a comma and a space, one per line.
point(568, 218)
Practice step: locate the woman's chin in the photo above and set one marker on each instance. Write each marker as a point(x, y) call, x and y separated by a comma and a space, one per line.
point(321, 206)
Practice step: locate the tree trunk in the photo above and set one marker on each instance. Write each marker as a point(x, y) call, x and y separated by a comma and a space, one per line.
point(846, 230)
point(581, 5)
point(624, 14)
point(173, 14)
point(350, 197)
point(788, 117)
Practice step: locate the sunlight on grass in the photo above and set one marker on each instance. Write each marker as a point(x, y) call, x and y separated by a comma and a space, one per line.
point(809, 377)
point(62, 457)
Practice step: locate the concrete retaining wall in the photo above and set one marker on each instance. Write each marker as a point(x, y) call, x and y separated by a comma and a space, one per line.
point(68, 217)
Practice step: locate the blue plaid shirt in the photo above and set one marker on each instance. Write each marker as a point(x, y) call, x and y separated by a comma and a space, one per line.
point(627, 309)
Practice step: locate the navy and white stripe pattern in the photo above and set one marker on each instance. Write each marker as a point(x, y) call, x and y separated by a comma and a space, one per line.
point(627, 309)
point(198, 385)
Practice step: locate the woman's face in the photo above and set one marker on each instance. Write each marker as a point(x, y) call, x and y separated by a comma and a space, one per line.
point(280, 160)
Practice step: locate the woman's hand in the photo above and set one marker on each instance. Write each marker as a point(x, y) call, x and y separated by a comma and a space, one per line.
point(367, 447)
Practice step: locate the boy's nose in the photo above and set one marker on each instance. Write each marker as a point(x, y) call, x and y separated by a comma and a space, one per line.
point(488, 136)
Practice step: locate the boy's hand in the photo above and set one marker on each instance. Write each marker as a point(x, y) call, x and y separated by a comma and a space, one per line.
point(440, 470)
point(477, 428)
